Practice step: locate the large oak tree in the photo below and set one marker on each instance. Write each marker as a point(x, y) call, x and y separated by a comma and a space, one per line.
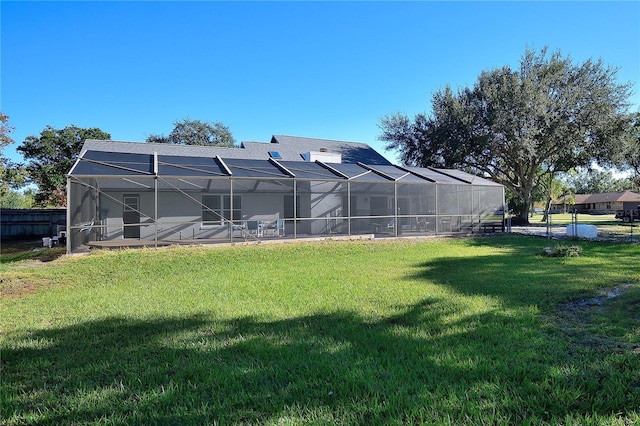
point(519, 126)
point(196, 132)
point(51, 155)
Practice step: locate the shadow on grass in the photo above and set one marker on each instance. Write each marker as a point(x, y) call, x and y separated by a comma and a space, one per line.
point(420, 366)
point(20, 251)
point(518, 275)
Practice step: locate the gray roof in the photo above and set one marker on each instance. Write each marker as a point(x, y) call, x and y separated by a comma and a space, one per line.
point(605, 197)
point(290, 148)
point(357, 158)
point(160, 148)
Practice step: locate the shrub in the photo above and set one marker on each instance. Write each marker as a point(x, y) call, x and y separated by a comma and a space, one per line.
point(561, 250)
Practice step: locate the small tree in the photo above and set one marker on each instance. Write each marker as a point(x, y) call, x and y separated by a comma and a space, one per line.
point(548, 190)
point(17, 200)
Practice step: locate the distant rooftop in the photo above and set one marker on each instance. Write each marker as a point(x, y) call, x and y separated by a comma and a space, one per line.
point(605, 197)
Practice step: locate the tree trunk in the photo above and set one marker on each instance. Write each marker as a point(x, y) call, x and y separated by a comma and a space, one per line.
point(547, 207)
point(523, 217)
point(527, 203)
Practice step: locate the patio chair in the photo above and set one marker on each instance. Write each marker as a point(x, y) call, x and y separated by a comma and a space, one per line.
point(236, 229)
point(391, 225)
point(87, 227)
point(254, 228)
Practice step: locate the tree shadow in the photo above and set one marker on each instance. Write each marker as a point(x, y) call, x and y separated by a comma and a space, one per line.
point(19, 252)
point(426, 364)
point(601, 379)
point(516, 272)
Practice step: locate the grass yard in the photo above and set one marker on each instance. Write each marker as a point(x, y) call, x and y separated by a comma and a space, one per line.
point(566, 219)
point(436, 331)
point(608, 226)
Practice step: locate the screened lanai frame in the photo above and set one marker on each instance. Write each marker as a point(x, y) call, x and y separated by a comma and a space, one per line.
point(126, 199)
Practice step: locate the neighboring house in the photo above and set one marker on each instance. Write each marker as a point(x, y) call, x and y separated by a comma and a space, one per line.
point(128, 193)
point(607, 202)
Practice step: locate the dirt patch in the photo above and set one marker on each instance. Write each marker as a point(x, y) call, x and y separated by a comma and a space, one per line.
point(19, 287)
point(34, 262)
point(49, 255)
point(579, 320)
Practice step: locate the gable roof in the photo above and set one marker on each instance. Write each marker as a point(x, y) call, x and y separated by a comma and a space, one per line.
point(289, 148)
point(116, 169)
point(292, 147)
point(161, 149)
point(107, 158)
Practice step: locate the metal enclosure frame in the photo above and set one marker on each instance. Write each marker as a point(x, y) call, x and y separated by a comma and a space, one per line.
point(200, 200)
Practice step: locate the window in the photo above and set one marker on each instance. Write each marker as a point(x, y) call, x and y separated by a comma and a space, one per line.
point(216, 209)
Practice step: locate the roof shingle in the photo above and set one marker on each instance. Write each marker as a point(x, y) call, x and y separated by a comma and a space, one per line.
point(290, 148)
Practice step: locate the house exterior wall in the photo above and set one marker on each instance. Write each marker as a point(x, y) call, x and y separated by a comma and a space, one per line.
point(180, 215)
point(599, 203)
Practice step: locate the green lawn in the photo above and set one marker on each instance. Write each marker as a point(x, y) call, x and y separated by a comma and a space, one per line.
point(608, 226)
point(566, 218)
point(437, 331)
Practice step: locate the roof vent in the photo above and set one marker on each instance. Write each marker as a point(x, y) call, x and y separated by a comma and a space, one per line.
point(324, 150)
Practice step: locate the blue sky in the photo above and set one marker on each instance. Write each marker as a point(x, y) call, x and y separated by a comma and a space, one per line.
point(316, 69)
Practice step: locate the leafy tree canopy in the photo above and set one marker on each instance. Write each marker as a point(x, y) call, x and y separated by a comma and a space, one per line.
point(5, 130)
point(12, 175)
point(594, 181)
point(548, 115)
point(196, 132)
point(51, 155)
point(17, 200)
point(631, 156)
